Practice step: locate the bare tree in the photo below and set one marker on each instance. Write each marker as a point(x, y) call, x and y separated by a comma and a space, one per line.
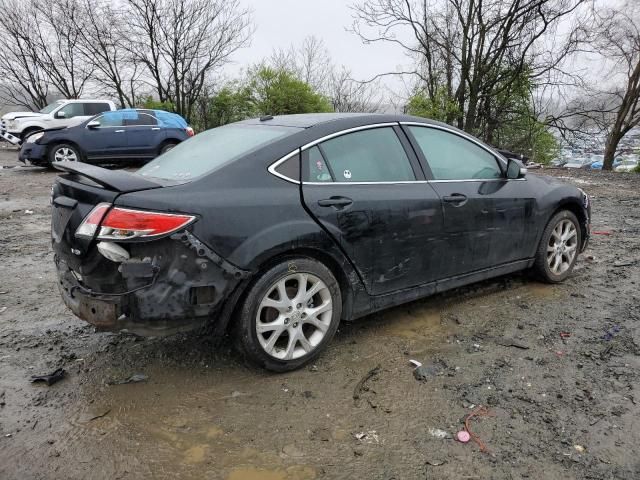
point(349, 95)
point(182, 43)
point(102, 41)
point(22, 80)
point(618, 43)
point(473, 50)
point(54, 29)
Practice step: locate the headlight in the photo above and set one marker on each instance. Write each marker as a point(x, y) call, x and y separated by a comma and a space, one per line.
point(585, 198)
point(11, 124)
point(33, 138)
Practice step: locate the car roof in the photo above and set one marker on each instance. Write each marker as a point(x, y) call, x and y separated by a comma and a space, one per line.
point(308, 120)
point(78, 100)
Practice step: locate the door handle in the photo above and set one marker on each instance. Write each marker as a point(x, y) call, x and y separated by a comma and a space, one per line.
point(337, 202)
point(155, 128)
point(119, 131)
point(457, 199)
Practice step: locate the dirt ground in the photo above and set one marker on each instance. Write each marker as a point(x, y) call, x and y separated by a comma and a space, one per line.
point(558, 368)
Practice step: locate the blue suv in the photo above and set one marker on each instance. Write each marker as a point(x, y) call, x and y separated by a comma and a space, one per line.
point(129, 134)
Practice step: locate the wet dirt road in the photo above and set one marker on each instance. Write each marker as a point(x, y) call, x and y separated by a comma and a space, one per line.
point(557, 366)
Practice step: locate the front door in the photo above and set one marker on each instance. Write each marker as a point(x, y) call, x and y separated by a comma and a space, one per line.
point(109, 139)
point(367, 190)
point(487, 217)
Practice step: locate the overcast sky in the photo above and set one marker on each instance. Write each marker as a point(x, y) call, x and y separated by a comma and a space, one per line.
point(279, 23)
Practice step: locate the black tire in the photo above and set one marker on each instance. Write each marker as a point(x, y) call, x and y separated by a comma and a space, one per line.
point(541, 266)
point(62, 146)
point(245, 332)
point(166, 147)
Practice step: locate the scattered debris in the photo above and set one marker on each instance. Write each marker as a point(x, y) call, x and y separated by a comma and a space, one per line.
point(610, 333)
point(437, 433)
point(579, 448)
point(478, 412)
point(601, 232)
point(625, 264)
point(436, 463)
point(368, 437)
point(28, 212)
point(361, 385)
point(135, 378)
point(101, 415)
point(49, 379)
point(510, 342)
point(463, 436)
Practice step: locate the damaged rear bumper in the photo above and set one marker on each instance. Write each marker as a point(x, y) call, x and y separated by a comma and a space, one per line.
point(167, 286)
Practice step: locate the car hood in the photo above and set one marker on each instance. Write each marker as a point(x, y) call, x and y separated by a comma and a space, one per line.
point(14, 115)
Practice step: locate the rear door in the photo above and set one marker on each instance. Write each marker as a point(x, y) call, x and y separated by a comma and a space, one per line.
point(144, 135)
point(487, 218)
point(367, 190)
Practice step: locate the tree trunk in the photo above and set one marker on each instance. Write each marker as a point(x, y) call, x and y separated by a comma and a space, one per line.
point(610, 150)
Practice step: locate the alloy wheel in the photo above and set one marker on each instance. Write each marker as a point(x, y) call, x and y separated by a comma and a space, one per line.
point(562, 247)
point(65, 154)
point(294, 316)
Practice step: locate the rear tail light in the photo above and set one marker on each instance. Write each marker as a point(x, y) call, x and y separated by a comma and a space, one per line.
point(190, 132)
point(124, 224)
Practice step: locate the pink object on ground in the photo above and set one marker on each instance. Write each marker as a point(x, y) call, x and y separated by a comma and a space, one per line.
point(463, 436)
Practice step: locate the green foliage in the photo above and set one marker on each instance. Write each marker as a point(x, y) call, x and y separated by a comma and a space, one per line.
point(439, 107)
point(152, 104)
point(279, 92)
point(637, 169)
point(232, 104)
point(506, 119)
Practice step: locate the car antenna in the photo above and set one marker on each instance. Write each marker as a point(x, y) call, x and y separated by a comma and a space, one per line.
point(265, 118)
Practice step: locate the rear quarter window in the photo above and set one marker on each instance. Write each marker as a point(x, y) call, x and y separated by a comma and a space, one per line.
point(212, 149)
point(96, 108)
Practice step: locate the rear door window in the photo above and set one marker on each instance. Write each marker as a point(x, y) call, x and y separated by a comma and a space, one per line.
point(315, 168)
point(139, 119)
point(373, 155)
point(111, 119)
point(453, 157)
point(95, 108)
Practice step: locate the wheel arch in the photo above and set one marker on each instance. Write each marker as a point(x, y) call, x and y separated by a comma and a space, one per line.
point(347, 289)
point(167, 141)
point(56, 142)
point(573, 205)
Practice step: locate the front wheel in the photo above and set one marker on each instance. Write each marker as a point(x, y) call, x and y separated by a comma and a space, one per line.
point(289, 315)
point(64, 152)
point(559, 247)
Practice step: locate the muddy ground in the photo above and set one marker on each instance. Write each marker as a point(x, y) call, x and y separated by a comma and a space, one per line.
point(557, 366)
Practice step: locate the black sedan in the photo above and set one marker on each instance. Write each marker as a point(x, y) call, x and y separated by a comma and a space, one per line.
point(129, 134)
point(279, 228)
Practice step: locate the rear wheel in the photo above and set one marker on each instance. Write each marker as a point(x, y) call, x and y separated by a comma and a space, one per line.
point(289, 315)
point(559, 247)
point(166, 147)
point(64, 152)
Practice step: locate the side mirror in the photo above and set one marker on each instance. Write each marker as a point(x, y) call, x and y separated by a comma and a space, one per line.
point(93, 124)
point(515, 169)
point(61, 114)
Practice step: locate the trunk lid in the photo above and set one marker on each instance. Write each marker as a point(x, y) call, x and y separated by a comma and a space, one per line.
point(74, 195)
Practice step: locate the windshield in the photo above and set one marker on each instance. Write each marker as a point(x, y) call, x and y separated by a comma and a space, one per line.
point(51, 107)
point(212, 149)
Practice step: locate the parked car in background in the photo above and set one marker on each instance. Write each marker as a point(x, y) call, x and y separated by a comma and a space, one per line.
point(579, 162)
point(627, 165)
point(62, 113)
point(130, 134)
point(599, 164)
point(287, 225)
point(558, 162)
